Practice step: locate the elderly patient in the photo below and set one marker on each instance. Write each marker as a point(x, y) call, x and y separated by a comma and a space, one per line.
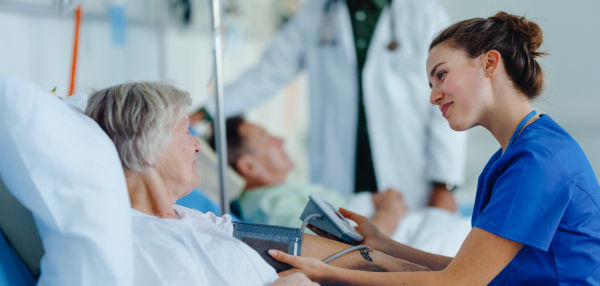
point(175, 245)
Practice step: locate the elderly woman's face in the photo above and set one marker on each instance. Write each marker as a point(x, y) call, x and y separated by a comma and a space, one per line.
point(176, 164)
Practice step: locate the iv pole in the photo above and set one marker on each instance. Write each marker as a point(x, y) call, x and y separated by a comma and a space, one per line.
point(219, 122)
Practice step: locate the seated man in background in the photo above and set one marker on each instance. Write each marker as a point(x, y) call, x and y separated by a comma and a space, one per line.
point(268, 199)
point(259, 157)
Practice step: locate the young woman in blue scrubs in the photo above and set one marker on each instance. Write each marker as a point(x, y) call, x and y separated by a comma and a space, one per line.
point(536, 219)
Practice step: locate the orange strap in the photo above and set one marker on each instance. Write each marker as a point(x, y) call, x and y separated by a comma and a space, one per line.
point(75, 49)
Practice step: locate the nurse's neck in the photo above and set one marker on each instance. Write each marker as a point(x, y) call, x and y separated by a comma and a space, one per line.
point(509, 109)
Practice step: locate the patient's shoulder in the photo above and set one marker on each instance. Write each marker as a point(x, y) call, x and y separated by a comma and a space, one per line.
point(147, 225)
point(208, 219)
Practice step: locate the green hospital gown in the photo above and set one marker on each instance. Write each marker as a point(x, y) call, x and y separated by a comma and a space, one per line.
point(283, 204)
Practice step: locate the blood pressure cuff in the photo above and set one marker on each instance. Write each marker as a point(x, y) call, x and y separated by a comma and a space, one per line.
point(262, 237)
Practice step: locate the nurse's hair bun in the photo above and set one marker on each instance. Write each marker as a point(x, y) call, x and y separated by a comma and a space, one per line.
point(516, 39)
point(530, 31)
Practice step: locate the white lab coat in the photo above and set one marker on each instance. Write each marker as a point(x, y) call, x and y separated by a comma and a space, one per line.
point(411, 143)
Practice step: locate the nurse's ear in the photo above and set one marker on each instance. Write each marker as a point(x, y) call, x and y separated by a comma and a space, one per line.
point(490, 61)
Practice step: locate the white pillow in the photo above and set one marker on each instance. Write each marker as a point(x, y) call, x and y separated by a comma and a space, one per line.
point(61, 166)
point(78, 101)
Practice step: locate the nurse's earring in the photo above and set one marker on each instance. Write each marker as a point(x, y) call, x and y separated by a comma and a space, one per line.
point(489, 73)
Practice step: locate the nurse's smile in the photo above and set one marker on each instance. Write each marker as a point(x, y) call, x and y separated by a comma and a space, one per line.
point(444, 108)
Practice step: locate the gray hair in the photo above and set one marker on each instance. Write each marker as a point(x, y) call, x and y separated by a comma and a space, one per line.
point(138, 118)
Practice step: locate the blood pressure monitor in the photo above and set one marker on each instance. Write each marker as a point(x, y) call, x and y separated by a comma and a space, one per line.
point(319, 213)
point(330, 221)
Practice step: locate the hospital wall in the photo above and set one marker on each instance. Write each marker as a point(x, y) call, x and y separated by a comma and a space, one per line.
point(39, 47)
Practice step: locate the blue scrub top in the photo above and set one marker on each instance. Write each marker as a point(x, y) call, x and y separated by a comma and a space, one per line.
point(543, 193)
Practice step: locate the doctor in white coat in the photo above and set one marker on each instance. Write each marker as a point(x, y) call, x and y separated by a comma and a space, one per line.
point(411, 146)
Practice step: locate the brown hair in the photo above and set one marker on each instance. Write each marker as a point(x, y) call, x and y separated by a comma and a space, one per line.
point(515, 38)
point(236, 146)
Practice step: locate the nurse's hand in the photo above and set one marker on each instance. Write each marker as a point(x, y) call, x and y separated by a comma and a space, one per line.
point(369, 231)
point(313, 268)
point(294, 279)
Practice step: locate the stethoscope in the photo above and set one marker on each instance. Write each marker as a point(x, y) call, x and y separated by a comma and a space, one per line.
point(327, 35)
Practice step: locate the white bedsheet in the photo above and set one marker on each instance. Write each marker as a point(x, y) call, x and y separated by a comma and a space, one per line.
point(433, 230)
point(429, 229)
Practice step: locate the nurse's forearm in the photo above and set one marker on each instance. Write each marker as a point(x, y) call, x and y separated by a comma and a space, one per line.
point(338, 276)
point(432, 261)
point(322, 248)
point(481, 258)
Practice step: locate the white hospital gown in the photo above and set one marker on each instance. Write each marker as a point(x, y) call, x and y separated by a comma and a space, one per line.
point(196, 249)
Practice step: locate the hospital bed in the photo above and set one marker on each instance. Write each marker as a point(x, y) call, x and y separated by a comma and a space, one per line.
point(20, 244)
point(21, 247)
point(64, 207)
point(41, 135)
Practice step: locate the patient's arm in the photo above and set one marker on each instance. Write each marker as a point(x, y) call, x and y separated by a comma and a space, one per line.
point(321, 248)
point(390, 208)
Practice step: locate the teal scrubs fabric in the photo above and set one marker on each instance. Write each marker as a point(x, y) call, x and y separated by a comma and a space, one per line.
point(542, 192)
point(283, 204)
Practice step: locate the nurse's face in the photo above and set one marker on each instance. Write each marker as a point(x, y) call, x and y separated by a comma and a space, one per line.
point(459, 87)
point(176, 164)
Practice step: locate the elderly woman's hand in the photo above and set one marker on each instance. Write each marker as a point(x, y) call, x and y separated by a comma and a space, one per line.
point(294, 279)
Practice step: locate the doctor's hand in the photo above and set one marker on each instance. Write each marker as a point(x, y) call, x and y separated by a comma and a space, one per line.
point(294, 279)
point(441, 197)
point(369, 231)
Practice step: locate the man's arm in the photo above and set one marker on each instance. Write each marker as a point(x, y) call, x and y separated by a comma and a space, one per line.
point(390, 208)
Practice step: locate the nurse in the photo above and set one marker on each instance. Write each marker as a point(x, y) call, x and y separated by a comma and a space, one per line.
point(536, 219)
